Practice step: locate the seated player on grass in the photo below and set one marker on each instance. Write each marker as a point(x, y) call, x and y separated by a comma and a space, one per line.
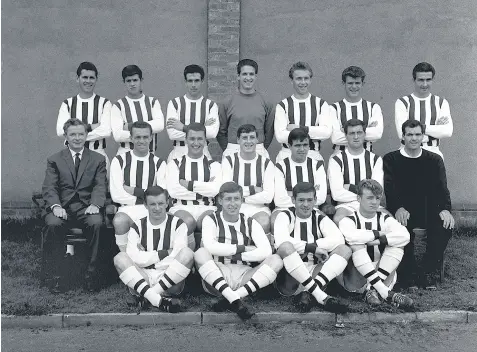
point(313, 251)
point(157, 259)
point(233, 244)
point(377, 241)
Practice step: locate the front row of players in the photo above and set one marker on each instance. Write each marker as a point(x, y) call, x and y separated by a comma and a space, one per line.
point(236, 258)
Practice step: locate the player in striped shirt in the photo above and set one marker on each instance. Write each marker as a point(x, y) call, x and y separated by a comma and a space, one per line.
point(157, 260)
point(131, 173)
point(377, 241)
point(348, 167)
point(298, 167)
point(92, 109)
point(193, 181)
point(233, 245)
point(192, 107)
point(135, 106)
point(304, 110)
point(255, 173)
point(313, 251)
point(353, 106)
point(431, 110)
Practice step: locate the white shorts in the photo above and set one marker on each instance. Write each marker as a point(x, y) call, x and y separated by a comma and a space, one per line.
point(234, 148)
point(233, 275)
point(285, 152)
point(135, 212)
point(179, 151)
point(250, 210)
point(195, 210)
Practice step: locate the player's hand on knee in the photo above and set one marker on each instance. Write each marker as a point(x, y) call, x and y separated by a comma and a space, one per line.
point(92, 209)
point(402, 215)
point(321, 255)
point(300, 247)
point(59, 212)
point(447, 218)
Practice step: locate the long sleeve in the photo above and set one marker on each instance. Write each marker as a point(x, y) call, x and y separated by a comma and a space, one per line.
point(441, 194)
point(338, 192)
point(332, 236)
point(212, 129)
point(161, 176)
point(281, 232)
point(104, 128)
point(172, 132)
point(375, 133)
point(323, 130)
point(281, 123)
point(98, 194)
point(209, 231)
point(337, 135)
point(393, 199)
point(354, 236)
point(281, 197)
point(268, 125)
point(140, 257)
point(50, 189)
point(266, 196)
point(263, 248)
point(157, 122)
point(396, 235)
point(222, 135)
point(377, 174)
point(175, 189)
point(320, 179)
point(400, 116)
point(63, 116)
point(116, 182)
point(180, 240)
point(442, 131)
point(117, 123)
point(210, 188)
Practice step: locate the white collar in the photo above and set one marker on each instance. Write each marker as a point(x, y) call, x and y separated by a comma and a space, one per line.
point(73, 153)
point(403, 152)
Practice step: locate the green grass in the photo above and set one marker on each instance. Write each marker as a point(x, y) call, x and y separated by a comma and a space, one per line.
point(21, 294)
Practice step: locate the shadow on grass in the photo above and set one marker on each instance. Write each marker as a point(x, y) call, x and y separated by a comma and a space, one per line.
point(21, 294)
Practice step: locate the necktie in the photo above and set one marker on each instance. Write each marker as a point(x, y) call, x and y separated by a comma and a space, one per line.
point(77, 163)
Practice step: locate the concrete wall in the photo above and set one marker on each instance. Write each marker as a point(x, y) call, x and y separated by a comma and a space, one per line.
point(44, 41)
point(385, 38)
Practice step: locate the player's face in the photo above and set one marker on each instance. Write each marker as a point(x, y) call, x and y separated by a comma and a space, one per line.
point(248, 142)
point(301, 81)
point(133, 85)
point(413, 138)
point(299, 150)
point(193, 85)
point(422, 84)
point(195, 142)
point(76, 137)
point(304, 203)
point(87, 81)
point(368, 202)
point(247, 78)
point(353, 87)
point(141, 137)
point(156, 206)
point(231, 203)
point(355, 137)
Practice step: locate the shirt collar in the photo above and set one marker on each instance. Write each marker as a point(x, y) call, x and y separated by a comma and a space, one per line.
point(403, 152)
point(73, 153)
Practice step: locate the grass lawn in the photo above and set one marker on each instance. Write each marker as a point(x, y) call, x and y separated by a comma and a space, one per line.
point(21, 294)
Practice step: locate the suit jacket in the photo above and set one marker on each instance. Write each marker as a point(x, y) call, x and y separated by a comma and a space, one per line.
point(61, 185)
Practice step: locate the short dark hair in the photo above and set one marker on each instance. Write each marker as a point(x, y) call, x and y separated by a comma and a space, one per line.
point(86, 65)
point(155, 191)
point(300, 65)
point(410, 124)
point(372, 185)
point(423, 67)
point(140, 124)
point(297, 134)
point(230, 187)
point(74, 122)
point(194, 69)
point(247, 128)
point(352, 123)
point(353, 71)
point(304, 187)
point(247, 62)
point(195, 126)
point(131, 70)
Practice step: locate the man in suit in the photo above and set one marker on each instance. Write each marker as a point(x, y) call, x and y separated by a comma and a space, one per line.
point(74, 191)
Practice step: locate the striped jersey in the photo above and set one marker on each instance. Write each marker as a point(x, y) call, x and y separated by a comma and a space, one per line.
point(312, 112)
point(187, 111)
point(363, 110)
point(90, 111)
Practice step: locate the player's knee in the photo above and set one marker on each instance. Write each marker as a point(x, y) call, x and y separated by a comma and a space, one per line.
point(121, 223)
point(272, 220)
point(201, 218)
point(264, 221)
point(185, 257)
point(94, 220)
point(188, 220)
point(53, 221)
point(357, 247)
point(340, 214)
point(122, 262)
point(285, 249)
point(202, 256)
point(274, 262)
point(343, 251)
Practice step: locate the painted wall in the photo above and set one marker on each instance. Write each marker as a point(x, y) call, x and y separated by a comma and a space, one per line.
point(44, 41)
point(385, 38)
